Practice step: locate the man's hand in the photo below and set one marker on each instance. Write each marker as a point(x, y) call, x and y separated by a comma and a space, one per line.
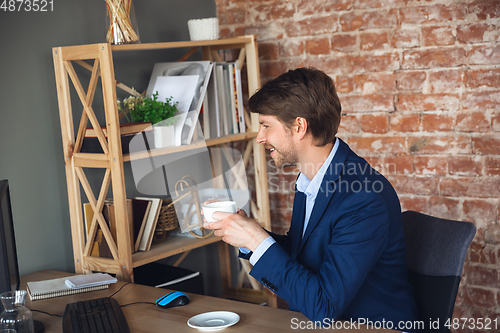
point(237, 229)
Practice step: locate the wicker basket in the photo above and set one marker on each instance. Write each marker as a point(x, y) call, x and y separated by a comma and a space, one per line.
point(167, 221)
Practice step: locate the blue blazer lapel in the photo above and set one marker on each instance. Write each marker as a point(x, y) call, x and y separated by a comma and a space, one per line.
point(326, 190)
point(297, 223)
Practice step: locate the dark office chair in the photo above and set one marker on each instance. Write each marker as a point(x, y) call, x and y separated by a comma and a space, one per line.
point(435, 254)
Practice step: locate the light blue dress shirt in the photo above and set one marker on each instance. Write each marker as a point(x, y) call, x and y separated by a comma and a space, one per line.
point(310, 188)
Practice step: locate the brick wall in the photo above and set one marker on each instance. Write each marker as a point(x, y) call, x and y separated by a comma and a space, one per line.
point(419, 82)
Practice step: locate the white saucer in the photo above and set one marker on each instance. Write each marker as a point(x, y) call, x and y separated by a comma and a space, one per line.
point(213, 321)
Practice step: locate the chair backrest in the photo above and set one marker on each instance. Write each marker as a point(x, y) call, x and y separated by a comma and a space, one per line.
point(435, 255)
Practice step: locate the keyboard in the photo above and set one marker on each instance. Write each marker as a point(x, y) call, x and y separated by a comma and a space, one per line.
point(95, 316)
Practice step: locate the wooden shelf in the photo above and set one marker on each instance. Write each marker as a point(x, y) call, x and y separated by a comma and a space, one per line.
point(193, 146)
point(98, 59)
point(171, 246)
point(229, 43)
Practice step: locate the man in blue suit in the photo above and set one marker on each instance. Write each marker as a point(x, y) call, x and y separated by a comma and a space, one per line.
point(344, 255)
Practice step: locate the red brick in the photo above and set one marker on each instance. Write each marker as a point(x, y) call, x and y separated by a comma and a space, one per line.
point(401, 164)
point(318, 46)
point(478, 33)
point(361, 20)
point(430, 58)
point(479, 297)
point(470, 187)
point(485, 9)
point(481, 100)
point(267, 31)
point(373, 63)
point(345, 84)
point(414, 185)
point(349, 124)
point(465, 166)
point(272, 69)
point(281, 219)
point(374, 123)
point(279, 200)
point(312, 26)
point(495, 122)
point(406, 122)
point(375, 162)
point(482, 253)
point(484, 55)
point(437, 122)
point(430, 165)
point(480, 211)
point(259, 13)
point(492, 234)
point(427, 102)
point(481, 276)
point(437, 35)
point(417, 204)
point(480, 78)
point(366, 146)
point(492, 166)
point(444, 208)
point(486, 145)
point(344, 43)
point(363, 4)
point(234, 15)
point(309, 7)
point(411, 80)
point(367, 103)
point(457, 144)
point(374, 41)
point(268, 51)
point(472, 122)
point(291, 48)
point(432, 14)
point(445, 81)
point(405, 39)
point(283, 9)
point(330, 65)
point(375, 83)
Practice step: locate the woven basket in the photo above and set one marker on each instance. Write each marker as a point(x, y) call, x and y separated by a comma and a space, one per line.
point(167, 221)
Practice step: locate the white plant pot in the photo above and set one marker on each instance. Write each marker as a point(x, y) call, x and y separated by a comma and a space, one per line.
point(164, 136)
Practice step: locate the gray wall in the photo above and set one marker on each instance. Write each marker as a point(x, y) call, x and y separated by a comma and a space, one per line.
point(31, 154)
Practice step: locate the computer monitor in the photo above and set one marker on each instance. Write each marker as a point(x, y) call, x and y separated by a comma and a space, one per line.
point(9, 271)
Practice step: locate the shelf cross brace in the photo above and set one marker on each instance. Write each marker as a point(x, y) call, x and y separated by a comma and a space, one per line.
point(86, 106)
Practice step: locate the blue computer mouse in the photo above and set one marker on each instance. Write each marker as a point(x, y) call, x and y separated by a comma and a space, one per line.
point(175, 298)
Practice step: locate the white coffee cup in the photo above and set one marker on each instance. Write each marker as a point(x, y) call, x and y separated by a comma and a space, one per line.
point(219, 206)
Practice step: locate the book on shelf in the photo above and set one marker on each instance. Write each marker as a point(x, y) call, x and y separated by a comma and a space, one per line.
point(212, 107)
point(58, 287)
point(150, 226)
point(224, 102)
point(140, 212)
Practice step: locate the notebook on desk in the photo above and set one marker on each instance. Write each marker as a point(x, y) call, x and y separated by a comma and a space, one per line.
point(58, 287)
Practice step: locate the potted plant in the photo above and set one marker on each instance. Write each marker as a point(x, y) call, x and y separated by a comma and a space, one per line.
point(143, 109)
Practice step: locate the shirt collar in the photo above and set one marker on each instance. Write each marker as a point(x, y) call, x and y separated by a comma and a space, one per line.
point(311, 187)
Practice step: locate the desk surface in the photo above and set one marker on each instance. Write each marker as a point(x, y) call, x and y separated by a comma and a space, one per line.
point(151, 319)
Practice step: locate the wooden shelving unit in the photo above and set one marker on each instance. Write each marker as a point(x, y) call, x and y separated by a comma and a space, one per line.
point(112, 160)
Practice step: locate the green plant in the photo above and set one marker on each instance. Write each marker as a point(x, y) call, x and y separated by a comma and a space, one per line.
point(143, 109)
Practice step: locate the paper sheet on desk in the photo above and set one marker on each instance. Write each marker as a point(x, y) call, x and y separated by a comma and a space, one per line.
point(85, 281)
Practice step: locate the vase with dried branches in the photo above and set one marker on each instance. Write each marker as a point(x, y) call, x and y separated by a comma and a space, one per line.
point(122, 27)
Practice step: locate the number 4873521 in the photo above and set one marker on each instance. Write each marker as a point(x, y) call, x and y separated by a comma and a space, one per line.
point(27, 6)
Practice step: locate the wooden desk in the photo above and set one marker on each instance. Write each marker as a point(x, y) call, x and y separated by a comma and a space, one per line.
point(148, 318)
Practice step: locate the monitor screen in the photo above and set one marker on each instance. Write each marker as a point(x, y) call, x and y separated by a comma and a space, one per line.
point(9, 271)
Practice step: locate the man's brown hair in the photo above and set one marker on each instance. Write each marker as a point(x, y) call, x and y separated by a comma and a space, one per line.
point(304, 92)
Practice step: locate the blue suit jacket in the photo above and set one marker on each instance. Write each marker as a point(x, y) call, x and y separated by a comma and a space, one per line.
point(351, 261)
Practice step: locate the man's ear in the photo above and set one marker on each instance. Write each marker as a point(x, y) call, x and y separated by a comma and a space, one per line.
point(301, 126)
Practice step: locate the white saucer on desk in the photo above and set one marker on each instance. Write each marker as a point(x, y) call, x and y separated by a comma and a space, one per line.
point(213, 321)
